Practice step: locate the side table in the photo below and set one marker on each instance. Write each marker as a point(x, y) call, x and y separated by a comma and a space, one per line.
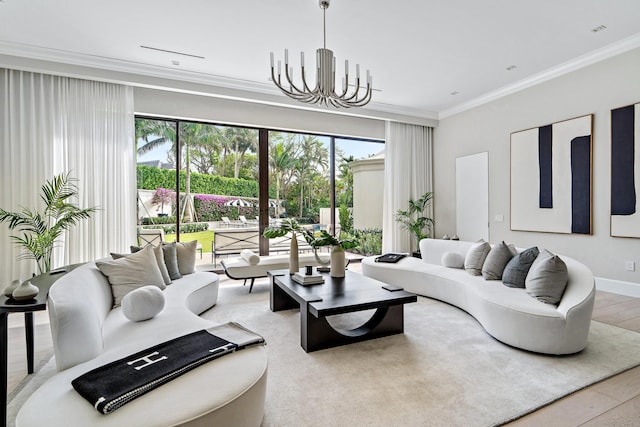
point(8, 305)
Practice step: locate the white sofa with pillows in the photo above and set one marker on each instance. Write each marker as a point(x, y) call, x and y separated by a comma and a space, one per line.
point(530, 299)
point(110, 309)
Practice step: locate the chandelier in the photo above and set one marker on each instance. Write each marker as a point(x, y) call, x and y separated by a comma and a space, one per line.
point(324, 92)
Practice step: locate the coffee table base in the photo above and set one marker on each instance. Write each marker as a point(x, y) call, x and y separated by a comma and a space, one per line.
point(318, 334)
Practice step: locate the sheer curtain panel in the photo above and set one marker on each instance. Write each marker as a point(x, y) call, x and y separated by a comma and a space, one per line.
point(408, 175)
point(51, 125)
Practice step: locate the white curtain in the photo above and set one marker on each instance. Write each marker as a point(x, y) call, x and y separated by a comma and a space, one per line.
point(51, 125)
point(408, 174)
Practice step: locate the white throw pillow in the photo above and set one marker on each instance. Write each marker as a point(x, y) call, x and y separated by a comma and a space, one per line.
point(143, 303)
point(132, 272)
point(186, 253)
point(453, 260)
point(251, 257)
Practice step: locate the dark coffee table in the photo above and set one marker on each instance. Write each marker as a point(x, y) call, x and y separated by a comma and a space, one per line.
point(352, 293)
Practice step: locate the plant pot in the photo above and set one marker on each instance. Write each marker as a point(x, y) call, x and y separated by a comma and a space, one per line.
point(294, 266)
point(338, 262)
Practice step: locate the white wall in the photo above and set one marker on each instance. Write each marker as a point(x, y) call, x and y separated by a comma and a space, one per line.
point(368, 183)
point(206, 108)
point(596, 90)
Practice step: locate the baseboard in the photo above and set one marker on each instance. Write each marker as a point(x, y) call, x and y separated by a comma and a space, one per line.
point(630, 289)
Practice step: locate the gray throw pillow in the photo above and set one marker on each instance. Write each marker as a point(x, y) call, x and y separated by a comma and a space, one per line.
point(516, 270)
point(159, 253)
point(497, 259)
point(171, 260)
point(131, 272)
point(476, 256)
point(547, 278)
point(186, 252)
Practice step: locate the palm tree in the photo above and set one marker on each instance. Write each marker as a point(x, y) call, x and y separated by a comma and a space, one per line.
point(154, 133)
point(241, 140)
point(311, 156)
point(281, 160)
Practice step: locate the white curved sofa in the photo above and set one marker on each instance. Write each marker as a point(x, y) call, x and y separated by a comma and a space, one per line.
point(508, 314)
point(88, 333)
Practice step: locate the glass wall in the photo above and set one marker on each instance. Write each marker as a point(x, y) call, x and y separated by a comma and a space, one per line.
point(195, 178)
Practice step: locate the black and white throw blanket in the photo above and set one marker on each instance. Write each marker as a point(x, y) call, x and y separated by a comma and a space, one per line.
point(110, 386)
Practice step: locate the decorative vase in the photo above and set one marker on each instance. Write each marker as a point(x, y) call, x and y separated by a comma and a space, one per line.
point(338, 261)
point(294, 266)
point(8, 291)
point(25, 291)
point(455, 237)
point(446, 237)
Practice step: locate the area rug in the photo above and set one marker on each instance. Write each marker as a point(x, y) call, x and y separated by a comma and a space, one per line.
point(445, 370)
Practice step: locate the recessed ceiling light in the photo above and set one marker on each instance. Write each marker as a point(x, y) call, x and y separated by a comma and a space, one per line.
point(598, 28)
point(455, 92)
point(511, 67)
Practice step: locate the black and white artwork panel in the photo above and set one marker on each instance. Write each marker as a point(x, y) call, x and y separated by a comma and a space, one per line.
point(625, 171)
point(551, 177)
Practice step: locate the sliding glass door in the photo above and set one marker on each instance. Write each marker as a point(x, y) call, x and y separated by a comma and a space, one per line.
point(195, 178)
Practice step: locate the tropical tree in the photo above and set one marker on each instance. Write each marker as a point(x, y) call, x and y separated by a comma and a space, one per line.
point(344, 181)
point(206, 152)
point(154, 133)
point(240, 140)
point(311, 156)
point(281, 162)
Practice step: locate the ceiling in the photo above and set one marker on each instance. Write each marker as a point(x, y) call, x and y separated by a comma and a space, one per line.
point(428, 57)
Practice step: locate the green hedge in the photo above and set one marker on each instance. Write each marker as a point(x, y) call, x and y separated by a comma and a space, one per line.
point(150, 178)
point(158, 220)
point(193, 227)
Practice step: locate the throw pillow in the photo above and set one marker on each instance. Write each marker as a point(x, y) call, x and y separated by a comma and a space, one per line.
point(453, 260)
point(142, 303)
point(496, 261)
point(476, 256)
point(547, 278)
point(170, 255)
point(131, 272)
point(186, 253)
point(249, 256)
point(159, 253)
point(516, 270)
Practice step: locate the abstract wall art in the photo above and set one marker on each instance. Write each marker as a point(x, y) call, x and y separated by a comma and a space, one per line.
point(625, 171)
point(551, 177)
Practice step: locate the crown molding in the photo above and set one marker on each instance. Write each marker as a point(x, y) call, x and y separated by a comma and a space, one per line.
point(590, 58)
point(220, 86)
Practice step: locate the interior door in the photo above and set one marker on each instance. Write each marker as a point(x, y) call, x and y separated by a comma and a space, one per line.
point(472, 197)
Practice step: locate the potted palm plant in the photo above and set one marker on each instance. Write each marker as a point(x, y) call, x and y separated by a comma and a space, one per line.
point(40, 231)
point(415, 220)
